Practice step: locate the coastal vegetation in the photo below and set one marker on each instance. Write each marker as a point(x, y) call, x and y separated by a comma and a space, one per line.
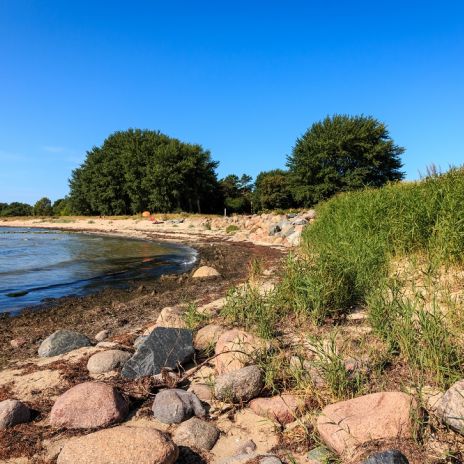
point(395, 252)
point(360, 323)
point(342, 153)
point(138, 170)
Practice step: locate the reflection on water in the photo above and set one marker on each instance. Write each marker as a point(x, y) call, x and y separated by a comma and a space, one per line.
point(39, 263)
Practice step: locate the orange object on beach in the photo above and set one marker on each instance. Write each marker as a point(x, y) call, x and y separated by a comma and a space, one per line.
point(146, 214)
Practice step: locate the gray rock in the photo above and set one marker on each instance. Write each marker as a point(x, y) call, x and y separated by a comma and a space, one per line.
point(61, 342)
point(450, 409)
point(274, 229)
point(240, 385)
point(287, 230)
point(176, 405)
point(164, 347)
point(319, 455)
point(139, 340)
point(196, 433)
point(387, 457)
point(299, 222)
point(13, 412)
point(106, 361)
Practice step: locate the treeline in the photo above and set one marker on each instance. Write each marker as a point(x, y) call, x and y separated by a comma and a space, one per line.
point(42, 207)
point(138, 170)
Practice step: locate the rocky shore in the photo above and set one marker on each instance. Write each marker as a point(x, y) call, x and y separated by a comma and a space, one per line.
point(280, 230)
point(173, 391)
point(160, 375)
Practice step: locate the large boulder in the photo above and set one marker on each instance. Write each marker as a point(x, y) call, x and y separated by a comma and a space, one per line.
point(61, 342)
point(240, 385)
point(164, 347)
point(120, 445)
point(196, 433)
point(13, 412)
point(89, 405)
point(205, 272)
point(106, 361)
point(378, 416)
point(234, 349)
point(176, 405)
point(283, 408)
point(450, 408)
point(387, 457)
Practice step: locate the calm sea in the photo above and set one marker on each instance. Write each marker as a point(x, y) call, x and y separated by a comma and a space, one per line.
point(38, 264)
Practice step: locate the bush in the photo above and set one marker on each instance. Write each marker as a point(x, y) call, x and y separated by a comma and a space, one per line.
point(231, 229)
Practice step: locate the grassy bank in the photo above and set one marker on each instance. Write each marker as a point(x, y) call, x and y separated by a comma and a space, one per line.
point(396, 252)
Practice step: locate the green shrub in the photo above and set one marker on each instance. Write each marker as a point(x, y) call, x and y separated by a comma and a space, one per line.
point(231, 229)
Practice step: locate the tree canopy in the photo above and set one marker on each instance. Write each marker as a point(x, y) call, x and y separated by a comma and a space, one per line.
point(342, 153)
point(138, 170)
point(272, 190)
point(237, 192)
point(15, 209)
point(43, 207)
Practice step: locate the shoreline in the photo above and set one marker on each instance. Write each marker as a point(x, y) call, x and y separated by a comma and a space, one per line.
point(141, 302)
point(188, 252)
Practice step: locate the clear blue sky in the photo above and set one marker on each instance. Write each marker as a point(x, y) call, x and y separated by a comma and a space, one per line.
point(242, 78)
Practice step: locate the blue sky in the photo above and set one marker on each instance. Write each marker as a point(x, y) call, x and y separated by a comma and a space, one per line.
point(242, 78)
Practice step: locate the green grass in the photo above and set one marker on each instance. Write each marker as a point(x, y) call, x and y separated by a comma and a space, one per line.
point(232, 229)
point(247, 307)
point(421, 334)
point(193, 318)
point(348, 250)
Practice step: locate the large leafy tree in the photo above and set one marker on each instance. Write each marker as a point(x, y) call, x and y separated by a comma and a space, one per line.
point(237, 193)
point(272, 190)
point(343, 153)
point(43, 207)
point(138, 169)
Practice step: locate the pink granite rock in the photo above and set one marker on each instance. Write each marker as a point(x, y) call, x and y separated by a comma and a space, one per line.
point(345, 425)
point(283, 409)
point(89, 405)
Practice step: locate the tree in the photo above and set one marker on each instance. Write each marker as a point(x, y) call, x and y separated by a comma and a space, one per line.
point(16, 209)
point(43, 207)
point(237, 192)
point(61, 207)
point(137, 170)
point(272, 190)
point(342, 153)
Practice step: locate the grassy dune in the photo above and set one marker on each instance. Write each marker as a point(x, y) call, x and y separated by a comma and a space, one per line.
point(396, 253)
